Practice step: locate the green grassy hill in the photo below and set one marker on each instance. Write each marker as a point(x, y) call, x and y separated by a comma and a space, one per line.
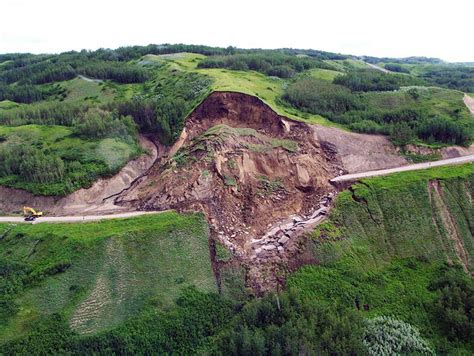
point(98, 275)
point(388, 241)
point(393, 244)
point(158, 86)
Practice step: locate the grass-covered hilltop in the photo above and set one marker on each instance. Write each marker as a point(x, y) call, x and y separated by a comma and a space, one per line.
point(86, 104)
point(248, 246)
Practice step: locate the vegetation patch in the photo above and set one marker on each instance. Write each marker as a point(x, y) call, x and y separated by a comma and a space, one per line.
point(372, 263)
point(54, 160)
point(97, 275)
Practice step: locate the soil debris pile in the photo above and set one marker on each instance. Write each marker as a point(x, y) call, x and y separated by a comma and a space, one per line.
point(248, 169)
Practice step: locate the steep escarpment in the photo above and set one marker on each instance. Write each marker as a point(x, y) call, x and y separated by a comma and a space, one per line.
point(250, 170)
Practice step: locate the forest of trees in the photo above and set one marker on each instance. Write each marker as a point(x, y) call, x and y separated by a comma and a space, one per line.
point(354, 109)
point(395, 67)
point(374, 80)
point(270, 63)
point(453, 77)
point(277, 324)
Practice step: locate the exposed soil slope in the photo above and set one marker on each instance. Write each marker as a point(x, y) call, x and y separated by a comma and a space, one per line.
point(261, 179)
point(88, 201)
point(359, 152)
point(469, 103)
point(243, 164)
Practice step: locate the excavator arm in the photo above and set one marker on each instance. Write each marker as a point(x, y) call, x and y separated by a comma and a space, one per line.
point(30, 212)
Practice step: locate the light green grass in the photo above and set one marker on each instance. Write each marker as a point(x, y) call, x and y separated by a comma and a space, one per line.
point(7, 104)
point(79, 89)
point(116, 267)
point(324, 74)
point(268, 89)
point(471, 95)
point(114, 152)
point(346, 64)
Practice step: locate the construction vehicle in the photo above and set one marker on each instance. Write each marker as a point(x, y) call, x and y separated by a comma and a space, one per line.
point(31, 214)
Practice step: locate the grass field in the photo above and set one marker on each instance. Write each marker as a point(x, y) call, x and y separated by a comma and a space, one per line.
point(99, 274)
point(268, 89)
point(324, 74)
point(366, 253)
point(7, 104)
point(79, 89)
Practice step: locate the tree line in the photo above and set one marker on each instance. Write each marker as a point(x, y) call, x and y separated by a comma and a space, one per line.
point(274, 63)
point(278, 324)
point(403, 122)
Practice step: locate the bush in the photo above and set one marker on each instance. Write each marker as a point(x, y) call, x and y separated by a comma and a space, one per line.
point(97, 123)
point(270, 62)
point(287, 324)
point(320, 97)
point(444, 131)
point(374, 80)
point(454, 308)
point(388, 336)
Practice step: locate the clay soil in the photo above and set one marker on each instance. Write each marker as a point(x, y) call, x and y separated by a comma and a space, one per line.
point(257, 176)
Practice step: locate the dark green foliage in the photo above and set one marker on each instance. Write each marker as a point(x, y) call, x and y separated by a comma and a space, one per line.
point(96, 123)
point(13, 276)
point(404, 115)
point(275, 63)
point(454, 308)
point(182, 330)
point(45, 113)
point(401, 133)
point(164, 108)
point(374, 80)
point(21, 93)
point(441, 130)
point(395, 67)
point(454, 77)
point(287, 324)
point(320, 97)
point(32, 165)
point(117, 72)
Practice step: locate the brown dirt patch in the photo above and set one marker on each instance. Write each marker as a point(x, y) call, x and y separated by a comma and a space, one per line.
point(359, 152)
point(246, 167)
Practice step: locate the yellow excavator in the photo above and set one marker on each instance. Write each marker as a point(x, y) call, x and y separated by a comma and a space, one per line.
point(31, 214)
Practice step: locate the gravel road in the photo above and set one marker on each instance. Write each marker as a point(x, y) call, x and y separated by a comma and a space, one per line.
point(75, 219)
point(412, 167)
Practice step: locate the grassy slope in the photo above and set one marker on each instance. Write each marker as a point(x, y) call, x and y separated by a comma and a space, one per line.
point(7, 104)
point(78, 89)
point(268, 89)
point(115, 267)
point(384, 248)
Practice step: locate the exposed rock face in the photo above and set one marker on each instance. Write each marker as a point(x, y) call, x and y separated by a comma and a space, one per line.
point(247, 168)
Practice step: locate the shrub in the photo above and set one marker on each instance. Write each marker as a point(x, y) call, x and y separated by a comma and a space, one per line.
point(388, 336)
point(374, 80)
point(454, 307)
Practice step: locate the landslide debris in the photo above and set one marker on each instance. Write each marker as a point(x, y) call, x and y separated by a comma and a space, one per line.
point(261, 179)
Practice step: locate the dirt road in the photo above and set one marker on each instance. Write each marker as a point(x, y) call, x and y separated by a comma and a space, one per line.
point(469, 101)
point(75, 219)
point(412, 167)
point(373, 66)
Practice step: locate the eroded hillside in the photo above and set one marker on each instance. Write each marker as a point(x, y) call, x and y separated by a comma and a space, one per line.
point(261, 179)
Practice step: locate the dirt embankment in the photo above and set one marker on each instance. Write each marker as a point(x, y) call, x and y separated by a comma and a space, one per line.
point(447, 224)
point(90, 201)
point(261, 179)
point(359, 152)
point(469, 101)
